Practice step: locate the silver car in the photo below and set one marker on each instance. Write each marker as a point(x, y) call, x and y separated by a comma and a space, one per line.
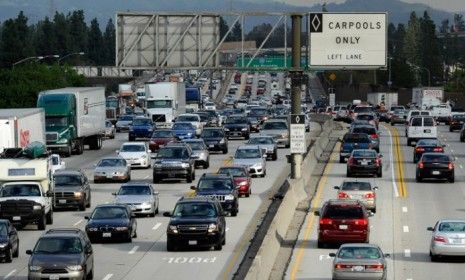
point(277, 129)
point(123, 123)
point(359, 261)
point(141, 198)
point(253, 157)
point(112, 169)
point(110, 130)
point(362, 191)
point(266, 142)
point(448, 239)
point(199, 152)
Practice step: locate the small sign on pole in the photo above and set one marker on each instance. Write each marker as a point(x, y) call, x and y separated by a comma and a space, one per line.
point(297, 134)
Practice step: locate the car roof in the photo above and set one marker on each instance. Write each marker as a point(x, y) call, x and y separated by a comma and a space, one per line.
point(65, 232)
point(111, 206)
point(352, 202)
point(68, 172)
point(248, 147)
point(133, 143)
point(215, 176)
point(142, 184)
point(186, 199)
point(112, 157)
point(365, 245)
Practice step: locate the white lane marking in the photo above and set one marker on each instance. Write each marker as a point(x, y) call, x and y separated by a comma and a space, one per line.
point(407, 253)
point(106, 202)
point(451, 150)
point(156, 226)
point(404, 209)
point(146, 177)
point(227, 229)
point(10, 274)
point(406, 229)
point(77, 223)
point(391, 160)
point(456, 158)
point(133, 250)
point(107, 277)
point(461, 166)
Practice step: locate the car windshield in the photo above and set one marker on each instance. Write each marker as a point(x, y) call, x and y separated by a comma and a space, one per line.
point(141, 122)
point(132, 148)
point(20, 190)
point(359, 253)
point(367, 130)
point(58, 246)
point(343, 212)
point(188, 119)
point(261, 140)
point(3, 229)
point(428, 142)
point(108, 124)
point(235, 172)
point(112, 162)
point(435, 158)
point(458, 117)
point(125, 118)
point(258, 112)
point(134, 190)
point(170, 152)
point(236, 120)
point(196, 145)
point(247, 153)
point(399, 111)
point(203, 117)
point(360, 138)
point(162, 134)
point(452, 227)
point(194, 210)
point(363, 109)
point(356, 186)
point(215, 184)
point(67, 180)
point(56, 121)
point(274, 125)
point(212, 133)
point(182, 126)
point(364, 153)
point(55, 160)
point(103, 213)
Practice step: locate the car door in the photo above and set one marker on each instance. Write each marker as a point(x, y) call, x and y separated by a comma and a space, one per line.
point(155, 196)
point(86, 186)
point(13, 236)
point(89, 253)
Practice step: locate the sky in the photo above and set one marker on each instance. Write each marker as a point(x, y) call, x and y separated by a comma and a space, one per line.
point(447, 5)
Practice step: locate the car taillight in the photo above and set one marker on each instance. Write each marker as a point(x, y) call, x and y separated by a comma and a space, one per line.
point(361, 222)
point(342, 195)
point(450, 166)
point(370, 195)
point(421, 165)
point(370, 146)
point(439, 150)
point(378, 162)
point(326, 222)
point(375, 266)
point(419, 149)
point(342, 266)
point(351, 161)
point(374, 136)
point(439, 239)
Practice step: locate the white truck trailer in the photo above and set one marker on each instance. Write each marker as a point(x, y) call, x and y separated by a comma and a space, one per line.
point(165, 101)
point(427, 97)
point(387, 99)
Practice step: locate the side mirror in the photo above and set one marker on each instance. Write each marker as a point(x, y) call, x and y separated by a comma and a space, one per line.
point(28, 252)
point(380, 156)
point(86, 218)
point(113, 193)
point(430, 229)
point(387, 255)
point(167, 214)
point(149, 151)
point(89, 250)
point(370, 214)
point(317, 213)
point(193, 188)
point(337, 188)
point(375, 188)
point(117, 151)
point(332, 255)
point(112, 126)
point(49, 194)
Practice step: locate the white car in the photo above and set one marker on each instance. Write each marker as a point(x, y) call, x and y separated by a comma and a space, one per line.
point(194, 119)
point(421, 128)
point(136, 154)
point(253, 157)
point(57, 163)
point(209, 106)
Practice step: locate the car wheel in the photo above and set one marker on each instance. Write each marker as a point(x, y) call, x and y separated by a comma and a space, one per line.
point(348, 174)
point(450, 129)
point(234, 213)
point(434, 258)
point(89, 202)
point(409, 142)
point(224, 239)
point(462, 139)
point(129, 238)
point(131, 138)
point(275, 156)
point(206, 164)
point(49, 217)
point(225, 151)
point(189, 178)
point(219, 246)
point(321, 244)
point(8, 256)
point(82, 206)
point(16, 253)
point(341, 159)
point(380, 173)
point(42, 222)
point(90, 275)
point(452, 179)
point(135, 233)
point(418, 179)
point(170, 246)
point(248, 193)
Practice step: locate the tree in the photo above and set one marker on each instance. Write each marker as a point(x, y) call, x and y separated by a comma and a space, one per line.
point(412, 43)
point(236, 32)
point(45, 41)
point(431, 58)
point(16, 41)
point(258, 33)
point(109, 41)
point(94, 48)
point(223, 27)
point(78, 31)
point(62, 34)
point(459, 23)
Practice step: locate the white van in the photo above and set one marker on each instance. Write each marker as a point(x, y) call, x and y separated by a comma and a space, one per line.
point(421, 128)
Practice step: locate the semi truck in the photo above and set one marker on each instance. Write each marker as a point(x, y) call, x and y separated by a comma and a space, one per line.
point(20, 127)
point(26, 188)
point(193, 98)
point(114, 107)
point(426, 97)
point(385, 99)
point(165, 101)
point(126, 93)
point(74, 117)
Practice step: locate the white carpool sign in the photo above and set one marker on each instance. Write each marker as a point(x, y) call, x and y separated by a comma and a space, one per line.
point(297, 134)
point(348, 40)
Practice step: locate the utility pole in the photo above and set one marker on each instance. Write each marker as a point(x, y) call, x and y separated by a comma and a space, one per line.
point(296, 78)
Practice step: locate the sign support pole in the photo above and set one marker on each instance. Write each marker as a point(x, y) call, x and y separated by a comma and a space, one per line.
point(296, 78)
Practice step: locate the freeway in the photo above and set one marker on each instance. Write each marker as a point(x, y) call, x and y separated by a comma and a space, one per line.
point(405, 209)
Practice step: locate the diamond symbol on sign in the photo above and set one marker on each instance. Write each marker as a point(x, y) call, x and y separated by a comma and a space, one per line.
point(316, 22)
point(297, 119)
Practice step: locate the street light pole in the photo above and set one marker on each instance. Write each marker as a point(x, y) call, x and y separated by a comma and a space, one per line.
point(296, 78)
point(390, 65)
point(27, 59)
point(70, 54)
point(421, 68)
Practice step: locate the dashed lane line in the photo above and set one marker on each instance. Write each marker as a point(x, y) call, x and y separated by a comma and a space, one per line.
point(406, 229)
point(156, 226)
point(133, 250)
point(407, 253)
point(107, 277)
point(10, 274)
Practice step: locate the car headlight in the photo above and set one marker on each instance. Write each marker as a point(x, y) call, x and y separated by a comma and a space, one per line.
point(257, 165)
point(131, 128)
point(119, 173)
point(284, 135)
point(226, 129)
point(34, 268)
point(229, 197)
point(173, 229)
point(92, 229)
point(244, 129)
point(3, 245)
point(150, 128)
point(37, 207)
point(158, 165)
point(212, 228)
point(222, 141)
point(146, 204)
point(74, 267)
point(189, 134)
point(144, 156)
point(77, 194)
point(121, 228)
point(184, 165)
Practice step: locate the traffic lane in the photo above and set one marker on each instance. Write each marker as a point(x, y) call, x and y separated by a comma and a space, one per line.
point(439, 199)
point(382, 224)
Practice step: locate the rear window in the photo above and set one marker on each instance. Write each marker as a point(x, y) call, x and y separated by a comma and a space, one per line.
point(435, 158)
point(416, 122)
point(356, 186)
point(356, 138)
point(343, 212)
point(425, 113)
point(359, 253)
point(364, 153)
point(365, 117)
point(367, 130)
point(428, 122)
point(415, 113)
point(363, 109)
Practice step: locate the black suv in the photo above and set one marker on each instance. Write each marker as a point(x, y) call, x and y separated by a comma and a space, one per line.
point(8, 237)
point(237, 126)
point(174, 161)
point(221, 187)
point(72, 189)
point(196, 221)
point(62, 254)
point(215, 139)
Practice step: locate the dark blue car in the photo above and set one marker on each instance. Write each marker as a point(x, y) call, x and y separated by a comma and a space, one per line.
point(353, 141)
point(141, 127)
point(184, 130)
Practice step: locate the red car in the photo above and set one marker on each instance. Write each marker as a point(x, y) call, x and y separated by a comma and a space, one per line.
point(343, 221)
point(160, 138)
point(241, 177)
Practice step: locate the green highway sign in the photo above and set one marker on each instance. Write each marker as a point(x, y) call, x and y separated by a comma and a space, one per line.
point(268, 62)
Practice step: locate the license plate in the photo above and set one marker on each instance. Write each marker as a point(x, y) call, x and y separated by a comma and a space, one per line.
point(192, 242)
point(436, 173)
point(211, 146)
point(62, 201)
point(16, 218)
point(54, 277)
point(343, 227)
point(457, 241)
point(109, 176)
point(427, 130)
point(358, 268)
point(106, 234)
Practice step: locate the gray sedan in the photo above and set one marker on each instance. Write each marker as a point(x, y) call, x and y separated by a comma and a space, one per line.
point(141, 198)
point(448, 239)
point(359, 261)
point(265, 142)
point(199, 152)
point(277, 129)
point(112, 169)
point(253, 157)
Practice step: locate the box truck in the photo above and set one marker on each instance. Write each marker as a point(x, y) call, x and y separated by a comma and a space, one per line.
point(193, 98)
point(20, 127)
point(386, 99)
point(74, 117)
point(165, 101)
point(427, 97)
